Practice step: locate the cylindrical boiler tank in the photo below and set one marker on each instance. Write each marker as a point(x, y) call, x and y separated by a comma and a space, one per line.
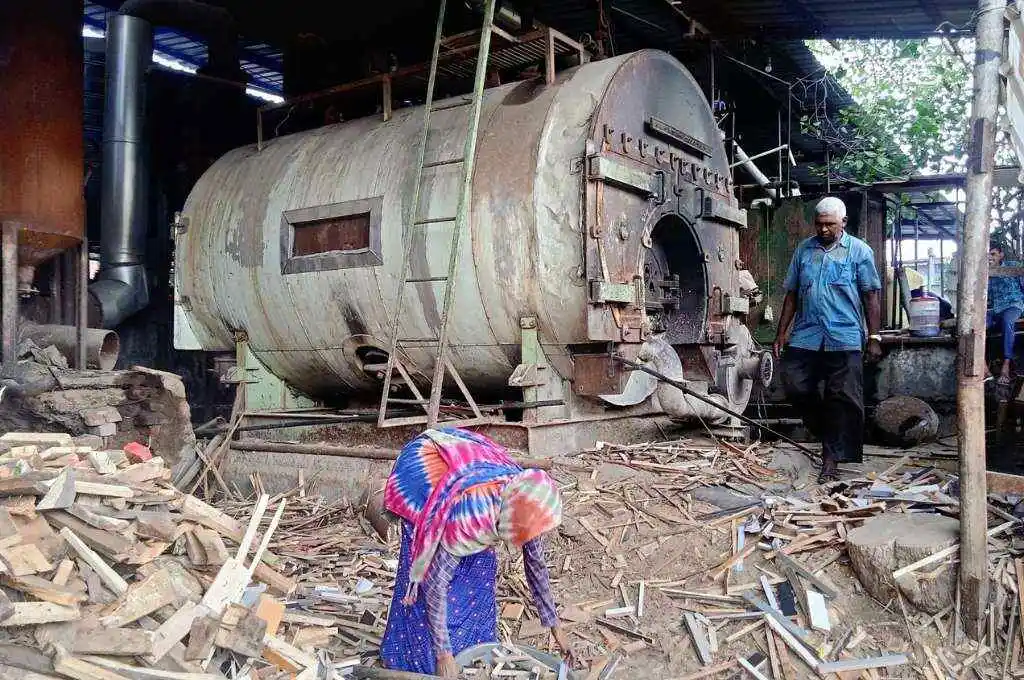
point(602, 209)
point(41, 142)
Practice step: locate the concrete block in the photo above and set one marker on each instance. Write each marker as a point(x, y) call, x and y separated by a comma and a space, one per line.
point(99, 416)
point(104, 430)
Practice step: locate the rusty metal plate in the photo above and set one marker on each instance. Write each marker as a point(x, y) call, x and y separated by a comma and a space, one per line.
point(597, 374)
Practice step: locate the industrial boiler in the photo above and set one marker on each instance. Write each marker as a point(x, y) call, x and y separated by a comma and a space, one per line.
point(602, 224)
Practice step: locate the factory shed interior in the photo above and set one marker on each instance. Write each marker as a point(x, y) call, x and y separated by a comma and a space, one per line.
point(270, 277)
point(330, 328)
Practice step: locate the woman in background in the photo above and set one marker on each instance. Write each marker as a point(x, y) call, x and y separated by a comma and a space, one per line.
point(459, 495)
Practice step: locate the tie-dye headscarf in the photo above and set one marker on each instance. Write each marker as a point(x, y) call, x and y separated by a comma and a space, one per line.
point(462, 491)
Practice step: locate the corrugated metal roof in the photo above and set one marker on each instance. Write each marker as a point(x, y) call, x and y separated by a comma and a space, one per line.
point(261, 62)
point(801, 19)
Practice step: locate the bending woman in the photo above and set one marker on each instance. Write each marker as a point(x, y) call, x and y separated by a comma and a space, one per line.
point(459, 495)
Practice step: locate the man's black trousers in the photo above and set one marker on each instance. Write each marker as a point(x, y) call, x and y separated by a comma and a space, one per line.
point(833, 413)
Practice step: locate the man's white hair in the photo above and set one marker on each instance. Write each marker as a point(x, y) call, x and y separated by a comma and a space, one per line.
point(830, 205)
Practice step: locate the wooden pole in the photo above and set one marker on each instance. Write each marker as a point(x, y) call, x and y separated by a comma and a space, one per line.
point(972, 297)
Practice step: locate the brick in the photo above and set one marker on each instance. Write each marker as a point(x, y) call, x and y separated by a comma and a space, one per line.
point(137, 453)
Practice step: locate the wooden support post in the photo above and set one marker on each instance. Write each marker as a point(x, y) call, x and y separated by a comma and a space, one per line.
point(9, 303)
point(82, 304)
point(972, 297)
point(550, 59)
point(386, 94)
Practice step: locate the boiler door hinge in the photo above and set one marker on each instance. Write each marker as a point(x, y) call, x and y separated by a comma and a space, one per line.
point(735, 304)
point(718, 210)
point(180, 224)
point(649, 184)
point(605, 291)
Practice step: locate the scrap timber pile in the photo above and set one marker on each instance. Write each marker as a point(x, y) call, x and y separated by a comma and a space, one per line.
point(770, 587)
point(107, 572)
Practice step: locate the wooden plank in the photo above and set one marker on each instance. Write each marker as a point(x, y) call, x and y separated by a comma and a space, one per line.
point(805, 654)
point(110, 544)
point(277, 646)
point(35, 613)
point(140, 473)
point(862, 664)
point(275, 580)
point(161, 526)
point(271, 611)
point(711, 670)
point(753, 672)
point(213, 546)
point(62, 492)
point(102, 462)
point(14, 673)
point(773, 655)
point(110, 578)
point(140, 673)
point(42, 589)
point(174, 629)
point(98, 521)
point(24, 560)
point(25, 658)
point(78, 669)
point(794, 630)
point(227, 586)
point(1003, 483)
point(7, 525)
point(195, 510)
point(63, 573)
point(245, 637)
point(105, 490)
point(142, 599)
point(700, 638)
point(826, 589)
point(120, 642)
point(38, 438)
point(947, 552)
point(201, 638)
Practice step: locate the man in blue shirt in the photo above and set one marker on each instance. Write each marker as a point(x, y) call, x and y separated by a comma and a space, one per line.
point(1005, 306)
point(831, 282)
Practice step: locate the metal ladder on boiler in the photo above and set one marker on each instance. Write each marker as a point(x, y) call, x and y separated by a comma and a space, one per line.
point(399, 343)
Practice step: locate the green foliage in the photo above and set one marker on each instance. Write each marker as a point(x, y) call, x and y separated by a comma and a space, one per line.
point(912, 105)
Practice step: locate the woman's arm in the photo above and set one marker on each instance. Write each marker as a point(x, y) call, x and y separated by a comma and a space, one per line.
point(540, 584)
point(439, 579)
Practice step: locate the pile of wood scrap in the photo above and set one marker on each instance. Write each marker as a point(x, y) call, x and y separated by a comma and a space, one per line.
point(689, 463)
point(344, 578)
point(768, 587)
point(107, 572)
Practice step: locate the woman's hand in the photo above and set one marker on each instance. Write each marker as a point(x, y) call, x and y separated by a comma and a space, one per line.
point(568, 655)
point(446, 666)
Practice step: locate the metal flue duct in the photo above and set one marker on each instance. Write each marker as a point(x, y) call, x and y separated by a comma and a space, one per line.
point(121, 288)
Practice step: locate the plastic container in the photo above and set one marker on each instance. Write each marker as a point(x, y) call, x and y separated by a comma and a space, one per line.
point(924, 317)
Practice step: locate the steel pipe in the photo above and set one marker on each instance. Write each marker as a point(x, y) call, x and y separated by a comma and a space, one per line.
point(367, 453)
point(9, 313)
point(82, 306)
point(101, 346)
point(121, 288)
